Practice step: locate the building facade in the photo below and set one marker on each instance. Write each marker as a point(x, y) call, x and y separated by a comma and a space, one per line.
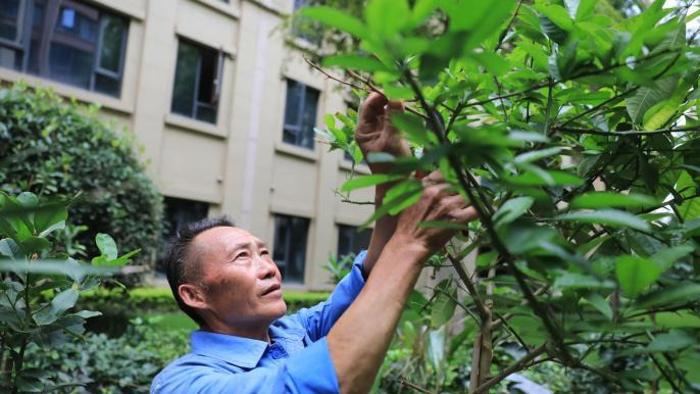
point(223, 108)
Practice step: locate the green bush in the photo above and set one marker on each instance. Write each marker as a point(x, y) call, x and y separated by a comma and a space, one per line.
point(52, 147)
point(39, 287)
point(100, 364)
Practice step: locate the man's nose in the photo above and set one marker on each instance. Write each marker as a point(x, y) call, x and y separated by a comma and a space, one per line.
point(266, 269)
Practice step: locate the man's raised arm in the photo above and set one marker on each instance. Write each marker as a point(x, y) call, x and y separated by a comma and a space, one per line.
point(360, 338)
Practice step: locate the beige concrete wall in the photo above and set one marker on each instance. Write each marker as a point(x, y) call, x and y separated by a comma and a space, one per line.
point(240, 166)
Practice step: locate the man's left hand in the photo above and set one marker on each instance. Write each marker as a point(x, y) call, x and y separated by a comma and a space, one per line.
point(375, 133)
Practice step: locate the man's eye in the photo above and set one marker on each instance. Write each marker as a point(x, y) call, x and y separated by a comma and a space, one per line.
point(241, 255)
point(264, 252)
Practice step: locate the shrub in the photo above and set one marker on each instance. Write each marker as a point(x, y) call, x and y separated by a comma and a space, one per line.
point(572, 129)
point(126, 364)
point(39, 287)
point(48, 146)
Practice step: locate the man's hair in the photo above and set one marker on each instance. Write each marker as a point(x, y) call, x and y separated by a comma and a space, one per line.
point(181, 265)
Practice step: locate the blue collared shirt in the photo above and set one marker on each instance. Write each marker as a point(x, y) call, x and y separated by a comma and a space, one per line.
point(297, 361)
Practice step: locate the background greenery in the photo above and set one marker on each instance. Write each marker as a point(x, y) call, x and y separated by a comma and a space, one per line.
point(50, 146)
point(572, 127)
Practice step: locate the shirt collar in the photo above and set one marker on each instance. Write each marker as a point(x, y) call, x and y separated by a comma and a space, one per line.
point(240, 351)
point(243, 352)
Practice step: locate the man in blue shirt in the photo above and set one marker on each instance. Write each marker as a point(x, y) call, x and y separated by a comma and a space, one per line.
point(223, 277)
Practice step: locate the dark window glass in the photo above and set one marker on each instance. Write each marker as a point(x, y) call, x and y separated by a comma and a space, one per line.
point(9, 19)
point(351, 240)
point(69, 41)
point(291, 233)
point(196, 87)
point(112, 43)
point(300, 114)
point(178, 213)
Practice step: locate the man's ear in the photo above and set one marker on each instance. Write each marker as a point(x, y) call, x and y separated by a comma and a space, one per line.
point(192, 295)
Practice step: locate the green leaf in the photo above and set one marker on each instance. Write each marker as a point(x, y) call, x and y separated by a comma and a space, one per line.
point(443, 309)
point(682, 293)
point(27, 200)
point(647, 97)
point(50, 216)
point(594, 200)
point(485, 259)
point(9, 248)
point(337, 19)
point(670, 342)
point(368, 180)
point(355, 62)
point(387, 17)
point(557, 15)
point(59, 304)
point(107, 246)
point(511, 210)
point(608, 217)
point(665, 258)
point(573, 280)
point(635, 274)
point(535, 176)
point(414, 128)
point(403, 195)
point(69, 268)
point(601, 305)
point(529, 157)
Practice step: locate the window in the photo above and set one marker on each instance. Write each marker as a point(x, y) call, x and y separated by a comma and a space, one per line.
point(300, 115)
point(351, 240)
point(305, 28)
point(67, 41)
point(179, 213)
point(291, 233)
point(197, 83)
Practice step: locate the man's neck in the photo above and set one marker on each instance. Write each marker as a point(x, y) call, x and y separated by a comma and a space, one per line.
point(258, 332)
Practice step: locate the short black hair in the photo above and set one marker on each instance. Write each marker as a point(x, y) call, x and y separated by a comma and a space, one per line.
point(180, 266)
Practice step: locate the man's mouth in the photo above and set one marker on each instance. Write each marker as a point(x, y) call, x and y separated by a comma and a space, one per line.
point(271, 289)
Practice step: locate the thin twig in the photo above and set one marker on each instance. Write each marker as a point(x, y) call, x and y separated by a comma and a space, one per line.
point(626, 133)
point(420, 389)
point(519, 365)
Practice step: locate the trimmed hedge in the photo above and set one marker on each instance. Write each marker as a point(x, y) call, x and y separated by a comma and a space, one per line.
point(118, 305)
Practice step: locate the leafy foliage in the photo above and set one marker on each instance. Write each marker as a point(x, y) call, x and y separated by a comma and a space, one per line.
point(40, 287)
point(572, 127)
point(50, 147)
point(126, 364)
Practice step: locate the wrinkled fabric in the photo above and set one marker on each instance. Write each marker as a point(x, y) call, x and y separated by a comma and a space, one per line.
point(296, 361)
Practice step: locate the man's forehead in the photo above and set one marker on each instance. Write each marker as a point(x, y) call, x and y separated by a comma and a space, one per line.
point(226, 238)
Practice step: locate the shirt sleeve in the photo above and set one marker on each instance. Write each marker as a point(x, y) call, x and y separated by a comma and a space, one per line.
point(319, 319)
point(308, 371)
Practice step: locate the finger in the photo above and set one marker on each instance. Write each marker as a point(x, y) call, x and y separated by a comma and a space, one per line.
point(392, 108)
point(434, 177)
point(464, 215)
point(372, 109)
point(455, 201)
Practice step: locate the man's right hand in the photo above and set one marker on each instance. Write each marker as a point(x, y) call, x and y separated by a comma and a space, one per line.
point(437, 203)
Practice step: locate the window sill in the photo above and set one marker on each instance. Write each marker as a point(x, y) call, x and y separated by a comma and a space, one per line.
point(198, 126)
point(223, 8)
point(291, 150)
point(361, 168)
point(84, 96)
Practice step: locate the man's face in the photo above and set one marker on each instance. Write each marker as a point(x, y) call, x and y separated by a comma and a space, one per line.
point(242, 284)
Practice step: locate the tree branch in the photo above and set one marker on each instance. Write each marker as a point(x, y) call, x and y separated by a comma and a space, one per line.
point(519, 365)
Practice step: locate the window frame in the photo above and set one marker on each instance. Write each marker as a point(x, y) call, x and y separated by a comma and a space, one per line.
point(288, 247)
point(216, 83)
point(298, 129)
point(50, 34)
